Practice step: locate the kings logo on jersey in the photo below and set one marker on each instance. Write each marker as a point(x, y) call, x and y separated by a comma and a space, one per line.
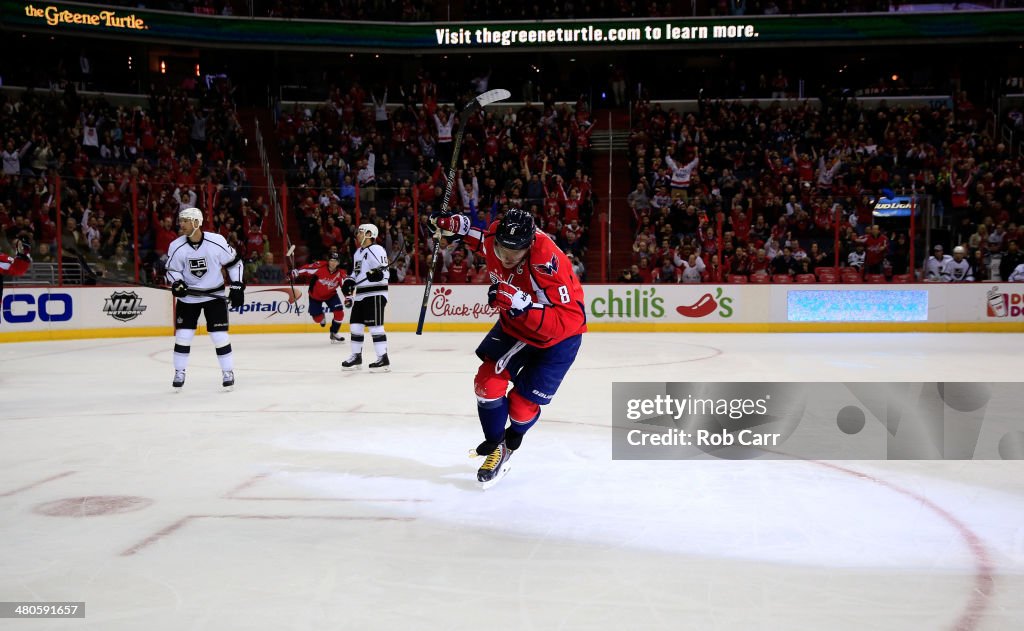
point(123, 306)
point(197, 267)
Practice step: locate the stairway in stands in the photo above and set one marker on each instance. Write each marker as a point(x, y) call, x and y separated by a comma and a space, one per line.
point(610, 139)
point(254, 171)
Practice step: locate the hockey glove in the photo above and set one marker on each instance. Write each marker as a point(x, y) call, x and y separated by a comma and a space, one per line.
point(236, 294)
point(348, 287)
point(375, 275)
point(179, 289)
point(347, 303)
point(508, 298)
point(450, 225)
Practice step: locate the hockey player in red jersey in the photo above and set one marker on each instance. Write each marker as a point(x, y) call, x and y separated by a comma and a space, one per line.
point(325, 277)
point(15, 265)
point(537, 336)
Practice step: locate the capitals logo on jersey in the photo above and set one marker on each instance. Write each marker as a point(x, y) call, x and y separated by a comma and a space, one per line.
point(550, 268)
point(197, 267)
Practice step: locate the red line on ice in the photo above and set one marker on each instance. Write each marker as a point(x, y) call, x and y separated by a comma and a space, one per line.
point(984, 579)
point(35, 484)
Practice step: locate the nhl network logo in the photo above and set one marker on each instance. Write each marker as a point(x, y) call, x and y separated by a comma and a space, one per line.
point(123, 306)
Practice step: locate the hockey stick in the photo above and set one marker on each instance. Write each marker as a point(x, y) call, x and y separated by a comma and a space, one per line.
point(205, 293)
point(290, 255)
point(473, 106)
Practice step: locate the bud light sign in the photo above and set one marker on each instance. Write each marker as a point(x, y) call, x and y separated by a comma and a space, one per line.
point(893, 207)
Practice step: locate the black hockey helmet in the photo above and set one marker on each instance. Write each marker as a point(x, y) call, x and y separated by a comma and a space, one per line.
point(516, 230)
point(334, 256)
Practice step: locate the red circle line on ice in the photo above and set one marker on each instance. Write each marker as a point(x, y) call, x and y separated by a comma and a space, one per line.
point(984, 572)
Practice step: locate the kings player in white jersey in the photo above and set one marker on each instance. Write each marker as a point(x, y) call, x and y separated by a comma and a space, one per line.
point(196, 262)
point(367, 289)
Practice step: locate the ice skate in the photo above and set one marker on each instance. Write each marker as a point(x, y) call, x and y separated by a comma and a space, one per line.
point(354, 362)
point(495, 467)
point(229, 380)
point(383, 364)
point(337, 338)
point(179, 380)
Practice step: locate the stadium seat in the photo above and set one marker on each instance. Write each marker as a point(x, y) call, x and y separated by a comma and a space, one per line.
point(736, 278)
point(874, 278)
point(831, 272)
point(902, 278)
point(806, 278)
point(759, 278)
point(782, 279)
point(851, 277)
point(410, 279)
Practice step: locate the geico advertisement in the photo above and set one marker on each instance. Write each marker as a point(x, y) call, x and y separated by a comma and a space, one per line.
point(30, 309)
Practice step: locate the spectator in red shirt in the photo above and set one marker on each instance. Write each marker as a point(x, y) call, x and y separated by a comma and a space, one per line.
point(459, 272)
point(877, 247)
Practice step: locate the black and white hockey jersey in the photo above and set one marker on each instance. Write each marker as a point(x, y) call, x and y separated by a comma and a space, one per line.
point(366, 260)
point(954, 271)
point(200, 264)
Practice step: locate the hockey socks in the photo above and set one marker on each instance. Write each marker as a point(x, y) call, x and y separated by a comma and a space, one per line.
point(182, 347)
point(223, 345)
point(493, 413)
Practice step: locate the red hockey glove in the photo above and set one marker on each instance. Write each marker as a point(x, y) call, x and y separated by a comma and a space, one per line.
point(508, 298)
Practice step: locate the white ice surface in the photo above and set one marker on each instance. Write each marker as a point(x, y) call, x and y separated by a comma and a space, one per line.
point(314, 499)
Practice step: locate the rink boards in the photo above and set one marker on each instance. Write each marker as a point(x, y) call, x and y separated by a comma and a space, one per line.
point(34, 313)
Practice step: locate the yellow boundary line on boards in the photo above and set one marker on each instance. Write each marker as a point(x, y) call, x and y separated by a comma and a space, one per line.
point(599, 327)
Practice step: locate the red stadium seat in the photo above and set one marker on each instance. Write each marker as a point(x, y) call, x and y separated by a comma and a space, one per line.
point(410, 279)
point(874, 278)
point(806, 278)
point(831, 272)
point(759, 278)
point(851, 277)
point(782, 278)
point(849, 270)
point(736, 278)
point(902, 278)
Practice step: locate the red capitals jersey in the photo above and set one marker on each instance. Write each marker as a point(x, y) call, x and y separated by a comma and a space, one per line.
point(547, 277)
point(324, 284)
point(13, 266)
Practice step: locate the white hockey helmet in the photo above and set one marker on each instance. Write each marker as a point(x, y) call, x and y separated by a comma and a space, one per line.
point(191, 213)
point(368, 230)
point(959, 250)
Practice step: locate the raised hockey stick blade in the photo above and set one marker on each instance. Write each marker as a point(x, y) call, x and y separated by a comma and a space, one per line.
point(492, 96)
point(290, 255)
point(479, 102)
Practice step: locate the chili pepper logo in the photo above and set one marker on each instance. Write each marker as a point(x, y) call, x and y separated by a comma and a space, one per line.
point(706, 305)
